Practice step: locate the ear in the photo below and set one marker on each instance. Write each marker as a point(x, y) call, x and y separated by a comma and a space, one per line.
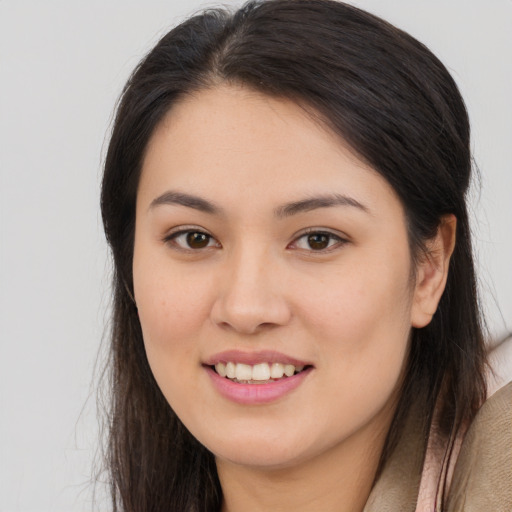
point(432, 272)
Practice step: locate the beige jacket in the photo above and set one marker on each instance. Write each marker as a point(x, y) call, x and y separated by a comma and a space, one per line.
point(482, 475)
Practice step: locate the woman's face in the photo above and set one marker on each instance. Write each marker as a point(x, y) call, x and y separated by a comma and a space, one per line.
point(263, 244)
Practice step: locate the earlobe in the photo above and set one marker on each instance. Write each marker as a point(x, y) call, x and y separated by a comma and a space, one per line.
point(432, 272)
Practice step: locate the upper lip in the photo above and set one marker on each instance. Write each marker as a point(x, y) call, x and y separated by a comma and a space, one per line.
point(252, 358)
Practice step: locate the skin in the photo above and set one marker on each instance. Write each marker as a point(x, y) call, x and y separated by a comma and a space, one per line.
point(257, 285)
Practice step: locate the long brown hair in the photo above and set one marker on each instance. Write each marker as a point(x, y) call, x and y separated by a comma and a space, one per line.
point(396, 105)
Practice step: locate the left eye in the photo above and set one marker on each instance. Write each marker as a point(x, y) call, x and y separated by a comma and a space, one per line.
point(194, 240)
point(317, 241)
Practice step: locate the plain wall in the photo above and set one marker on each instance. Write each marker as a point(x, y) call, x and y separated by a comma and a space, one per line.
point(62, 66)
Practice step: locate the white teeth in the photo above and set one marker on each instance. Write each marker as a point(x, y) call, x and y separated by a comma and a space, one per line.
point(276, 370)
point(220, 368)
point(259, 372)
point(230, 370)
point(243, 372)
point(289, 370)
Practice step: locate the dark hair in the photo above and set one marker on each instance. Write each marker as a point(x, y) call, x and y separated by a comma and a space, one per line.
point(397, 107)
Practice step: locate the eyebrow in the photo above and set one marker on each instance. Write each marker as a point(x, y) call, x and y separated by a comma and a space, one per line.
point(287, 210)
point(313, 203)
point(188, 200)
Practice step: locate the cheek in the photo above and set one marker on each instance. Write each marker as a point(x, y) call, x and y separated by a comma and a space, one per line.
point(362, 337)
point(171, 313)
point(363, 316)
point(165, 313)
point(171, 310)
point(359, 299)
point(168, 304)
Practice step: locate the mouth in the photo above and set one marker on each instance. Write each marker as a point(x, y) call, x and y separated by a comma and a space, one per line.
point(260, 373)
point(256, 378)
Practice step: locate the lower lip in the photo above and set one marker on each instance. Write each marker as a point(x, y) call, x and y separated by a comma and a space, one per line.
point(249, 394)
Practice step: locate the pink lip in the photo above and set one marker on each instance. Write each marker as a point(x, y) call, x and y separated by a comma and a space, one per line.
point(252, 358)
point(252, 394)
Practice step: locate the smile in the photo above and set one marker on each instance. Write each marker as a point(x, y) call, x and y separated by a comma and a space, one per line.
point(253, 384)
point(251, 378)
point(260, 373)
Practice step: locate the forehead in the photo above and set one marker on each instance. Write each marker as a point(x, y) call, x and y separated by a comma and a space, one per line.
point(242, 145)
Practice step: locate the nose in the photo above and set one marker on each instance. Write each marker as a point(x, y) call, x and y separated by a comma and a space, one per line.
point(251, 295)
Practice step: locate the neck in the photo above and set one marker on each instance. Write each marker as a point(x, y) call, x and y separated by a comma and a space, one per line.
point(340, 479)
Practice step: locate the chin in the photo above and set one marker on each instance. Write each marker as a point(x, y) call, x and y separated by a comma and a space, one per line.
point(267, 459)
point(264, 451)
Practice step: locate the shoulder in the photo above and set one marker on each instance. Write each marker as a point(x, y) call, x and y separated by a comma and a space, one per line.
point(482, 478)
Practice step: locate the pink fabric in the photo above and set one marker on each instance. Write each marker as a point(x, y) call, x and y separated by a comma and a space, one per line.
point(440, 459)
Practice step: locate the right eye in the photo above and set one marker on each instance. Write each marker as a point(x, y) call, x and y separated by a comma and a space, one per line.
point(191, 240)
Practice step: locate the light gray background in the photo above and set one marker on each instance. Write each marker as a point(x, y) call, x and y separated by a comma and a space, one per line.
point(62, 66)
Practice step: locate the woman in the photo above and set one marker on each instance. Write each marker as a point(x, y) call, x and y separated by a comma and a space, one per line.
point(296, 324)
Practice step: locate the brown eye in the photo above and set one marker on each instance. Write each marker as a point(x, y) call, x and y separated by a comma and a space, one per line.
point(197, 240)
point(318, 241)
point(191, 240)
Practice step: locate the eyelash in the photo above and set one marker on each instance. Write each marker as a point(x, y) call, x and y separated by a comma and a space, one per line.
point(183, 232)
point(337, 239)
point(172, 238)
